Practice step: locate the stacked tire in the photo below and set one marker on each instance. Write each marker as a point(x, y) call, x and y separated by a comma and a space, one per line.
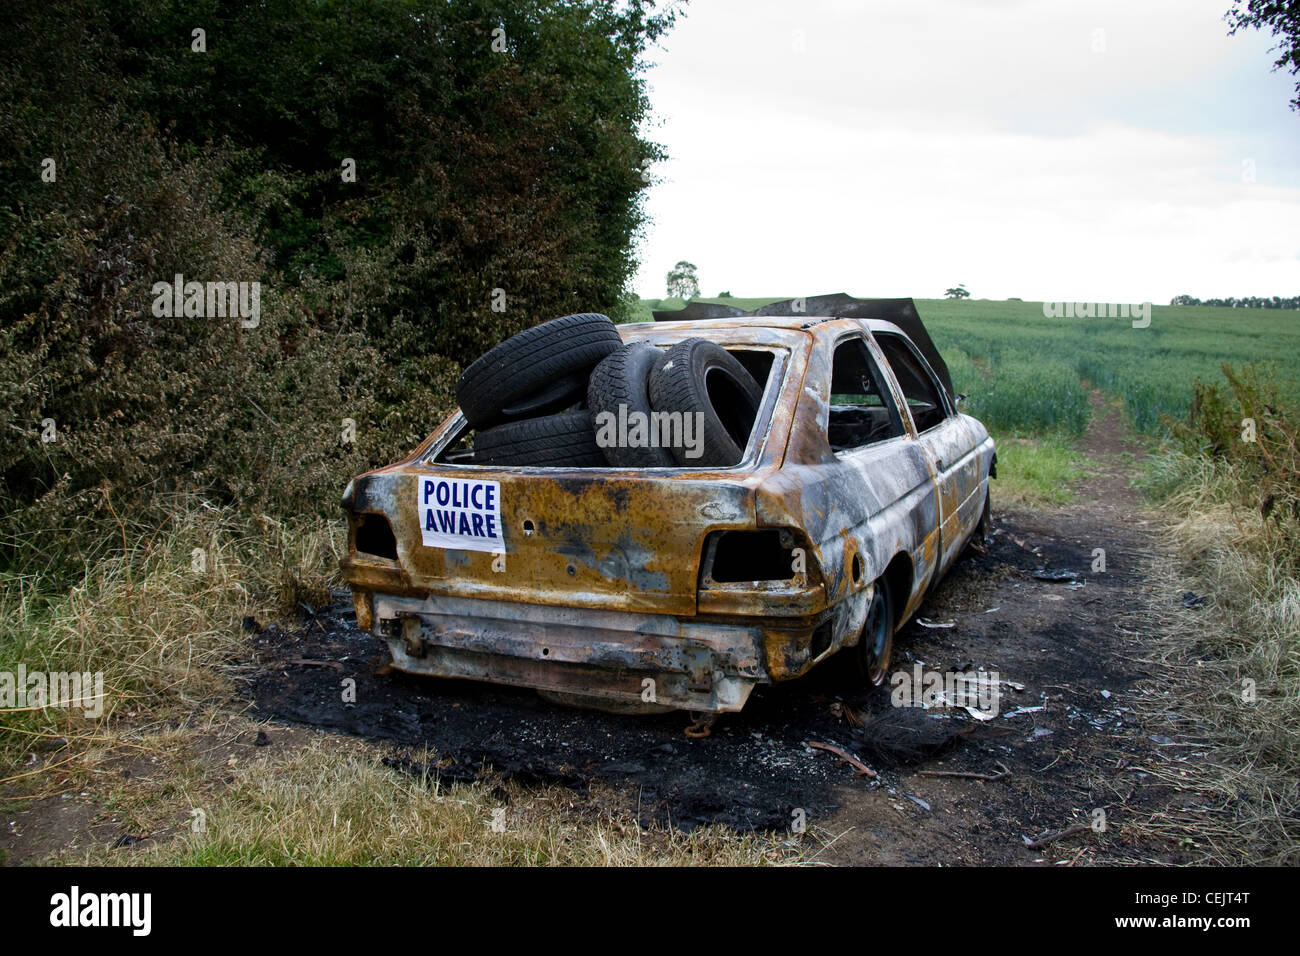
point(536, 398)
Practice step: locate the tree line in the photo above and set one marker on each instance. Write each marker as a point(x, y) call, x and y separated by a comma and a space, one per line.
point(1244, 302)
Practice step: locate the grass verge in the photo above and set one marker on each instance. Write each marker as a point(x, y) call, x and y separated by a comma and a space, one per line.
point(1037, 472)
point(322, 800)
point(157, 619)
point(1230, 666)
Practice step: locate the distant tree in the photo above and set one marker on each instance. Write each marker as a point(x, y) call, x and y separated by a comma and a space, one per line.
point(725, 295)
point(1282, 19)
point(957, 292)
point(1184, 300)
point(682, 281)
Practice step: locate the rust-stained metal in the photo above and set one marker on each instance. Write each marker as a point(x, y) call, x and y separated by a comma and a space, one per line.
point(606, 592)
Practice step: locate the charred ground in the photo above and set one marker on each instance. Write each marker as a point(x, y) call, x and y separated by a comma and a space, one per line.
point(1067, 732)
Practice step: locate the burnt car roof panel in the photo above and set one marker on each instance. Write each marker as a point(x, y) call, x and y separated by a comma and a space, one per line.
point(899, 311)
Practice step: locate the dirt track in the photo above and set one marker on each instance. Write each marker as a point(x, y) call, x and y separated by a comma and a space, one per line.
point(1069, 739)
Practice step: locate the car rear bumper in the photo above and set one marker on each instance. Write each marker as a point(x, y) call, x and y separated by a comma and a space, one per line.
point(614, 657)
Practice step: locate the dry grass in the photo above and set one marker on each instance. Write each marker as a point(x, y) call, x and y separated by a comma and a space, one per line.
point(158, 619)
point(1231, 669)
point(313, 799)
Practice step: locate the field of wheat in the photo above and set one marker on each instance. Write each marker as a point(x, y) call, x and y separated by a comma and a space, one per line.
point(1027, 374)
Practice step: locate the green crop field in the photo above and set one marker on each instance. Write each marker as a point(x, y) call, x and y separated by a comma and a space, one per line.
point(1026, 374)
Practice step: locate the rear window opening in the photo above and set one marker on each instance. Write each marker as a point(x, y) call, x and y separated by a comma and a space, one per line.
point(756, 363)
point(459, 449)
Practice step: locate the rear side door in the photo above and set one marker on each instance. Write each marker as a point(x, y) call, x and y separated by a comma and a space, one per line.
point(945, 441)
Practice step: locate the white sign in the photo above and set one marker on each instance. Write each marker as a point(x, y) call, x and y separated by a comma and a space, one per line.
point(461, 514)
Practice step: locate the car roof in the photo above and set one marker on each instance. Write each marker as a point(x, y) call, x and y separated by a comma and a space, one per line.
point(895, 315)
point(798, 323)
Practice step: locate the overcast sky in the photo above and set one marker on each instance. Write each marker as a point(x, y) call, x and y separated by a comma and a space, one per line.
point(1078, 150)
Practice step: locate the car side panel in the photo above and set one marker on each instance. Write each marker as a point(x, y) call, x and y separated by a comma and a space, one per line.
point(874, 502)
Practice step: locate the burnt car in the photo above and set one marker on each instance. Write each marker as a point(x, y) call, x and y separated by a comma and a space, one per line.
point(669, 581)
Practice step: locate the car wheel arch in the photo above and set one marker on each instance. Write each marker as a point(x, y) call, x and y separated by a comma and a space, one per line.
point(899, 578)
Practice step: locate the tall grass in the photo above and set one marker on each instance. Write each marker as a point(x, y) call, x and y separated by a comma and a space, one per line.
point(1027, 395)
point(159, 616)
point(1233, 667)
point(1233, 499)
point(1150, 369)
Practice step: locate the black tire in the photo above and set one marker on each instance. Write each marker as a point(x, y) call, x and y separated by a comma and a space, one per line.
point(531, 362)
point(869, 662)
point(623, 379)
point(558, 396)
point(566, 440)
point(701, 376)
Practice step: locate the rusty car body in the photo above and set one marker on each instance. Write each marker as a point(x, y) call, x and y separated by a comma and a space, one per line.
point(685, 588)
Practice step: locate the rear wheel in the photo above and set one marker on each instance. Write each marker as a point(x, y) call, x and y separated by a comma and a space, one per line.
point(876, 645)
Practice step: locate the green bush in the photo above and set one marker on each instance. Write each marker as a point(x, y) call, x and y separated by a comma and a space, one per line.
point(1251, 425)
point(477, 171)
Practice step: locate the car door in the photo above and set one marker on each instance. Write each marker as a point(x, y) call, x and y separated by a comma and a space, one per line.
point(868, 434)
point(945, 441)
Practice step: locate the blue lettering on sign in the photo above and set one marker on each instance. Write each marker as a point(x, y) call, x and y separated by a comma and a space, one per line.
point(458, 513)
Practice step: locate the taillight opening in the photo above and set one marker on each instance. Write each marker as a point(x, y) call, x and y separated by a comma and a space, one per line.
point(374, 536)
point(752, 557)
